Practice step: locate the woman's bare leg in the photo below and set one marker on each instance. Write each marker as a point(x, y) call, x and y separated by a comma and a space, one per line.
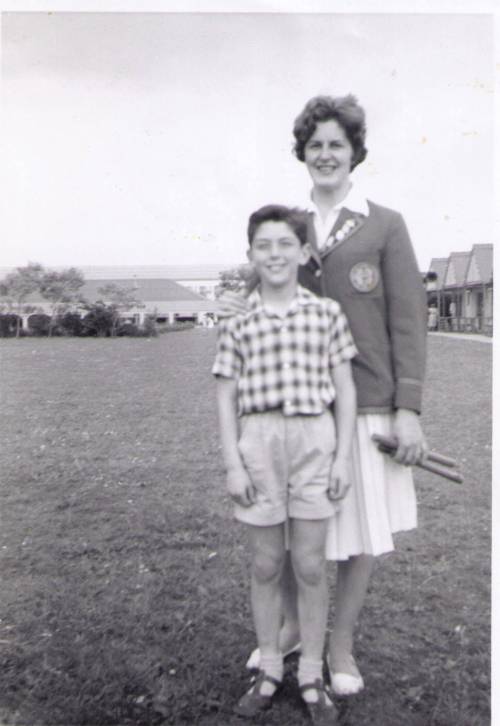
point(353, 577)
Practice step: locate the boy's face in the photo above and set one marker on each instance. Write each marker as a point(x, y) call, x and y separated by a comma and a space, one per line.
point(276, 254)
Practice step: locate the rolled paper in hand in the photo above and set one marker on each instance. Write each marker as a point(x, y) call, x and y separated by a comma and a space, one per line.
point(391, 442)
point(441, 470)
point(434, 462)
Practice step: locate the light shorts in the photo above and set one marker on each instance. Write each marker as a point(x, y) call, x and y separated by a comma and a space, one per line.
point(288, 459)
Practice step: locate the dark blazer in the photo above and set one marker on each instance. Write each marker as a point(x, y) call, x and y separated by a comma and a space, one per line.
point(370, 268)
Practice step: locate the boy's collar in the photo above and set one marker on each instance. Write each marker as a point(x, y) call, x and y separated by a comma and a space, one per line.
point(302, 297)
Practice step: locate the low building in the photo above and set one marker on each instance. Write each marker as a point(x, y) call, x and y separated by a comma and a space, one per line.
point(166, 293)
point(200, 279)
point(163, 300)
point(460, 288)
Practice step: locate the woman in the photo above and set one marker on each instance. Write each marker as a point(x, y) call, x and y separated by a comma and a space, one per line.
point(364, 259)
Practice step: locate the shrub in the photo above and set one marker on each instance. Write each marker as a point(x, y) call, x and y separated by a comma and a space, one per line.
point(171, 327)
point(149, 327)
point(130, 329)
point(70, 324)
point(38, 324)
point(8, 323)
point(99, 321)
point(146, 330)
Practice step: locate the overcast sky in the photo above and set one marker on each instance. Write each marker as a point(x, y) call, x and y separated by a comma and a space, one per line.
point(148, 138)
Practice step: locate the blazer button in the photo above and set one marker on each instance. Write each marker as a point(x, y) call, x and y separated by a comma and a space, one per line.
point(317, 273)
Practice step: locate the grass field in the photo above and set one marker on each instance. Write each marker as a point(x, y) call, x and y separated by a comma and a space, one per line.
point(124, 595)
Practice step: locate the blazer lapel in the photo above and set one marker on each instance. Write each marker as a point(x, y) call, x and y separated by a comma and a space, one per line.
point(311, 238)
point(346, 225)
point(310, 274)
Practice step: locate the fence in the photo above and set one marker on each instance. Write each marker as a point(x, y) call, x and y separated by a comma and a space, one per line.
point(466, 325)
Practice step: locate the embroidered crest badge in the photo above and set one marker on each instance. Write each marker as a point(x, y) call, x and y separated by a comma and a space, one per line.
point(364, 276)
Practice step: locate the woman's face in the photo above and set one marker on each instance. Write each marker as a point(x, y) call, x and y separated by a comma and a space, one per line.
point(328, 155)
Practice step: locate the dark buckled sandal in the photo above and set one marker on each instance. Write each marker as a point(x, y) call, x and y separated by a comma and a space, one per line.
point(323, 711)
point(254, 702)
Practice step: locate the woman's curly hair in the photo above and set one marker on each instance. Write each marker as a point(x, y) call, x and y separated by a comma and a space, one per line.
point(345, 110)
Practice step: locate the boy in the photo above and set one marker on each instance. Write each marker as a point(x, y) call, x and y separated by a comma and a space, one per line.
point(279, 367)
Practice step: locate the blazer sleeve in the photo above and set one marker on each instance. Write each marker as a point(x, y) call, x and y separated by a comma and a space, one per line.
point(406, 315)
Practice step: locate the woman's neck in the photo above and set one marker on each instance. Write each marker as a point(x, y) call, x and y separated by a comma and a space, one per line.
point(326, 198)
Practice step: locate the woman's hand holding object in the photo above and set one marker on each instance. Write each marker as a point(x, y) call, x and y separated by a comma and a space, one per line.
point(412, 446)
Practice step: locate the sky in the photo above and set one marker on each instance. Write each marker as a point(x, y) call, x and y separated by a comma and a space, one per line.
point(149, 138)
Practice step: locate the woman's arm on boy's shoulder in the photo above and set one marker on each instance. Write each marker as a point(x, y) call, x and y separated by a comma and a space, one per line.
point(235, 303)
point(239, 485)
point(345, 420)
point(231, 303)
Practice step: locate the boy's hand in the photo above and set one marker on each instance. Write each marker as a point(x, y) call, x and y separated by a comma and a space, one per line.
point(412, 446)
point(339, 479)
point(240, 487)
point(231, 303)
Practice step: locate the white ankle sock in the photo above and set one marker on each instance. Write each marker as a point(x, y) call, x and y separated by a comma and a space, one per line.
point(309, 671)
point(272, 665)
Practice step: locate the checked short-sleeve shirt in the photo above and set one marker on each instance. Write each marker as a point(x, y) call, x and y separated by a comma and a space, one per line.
point(284, 362)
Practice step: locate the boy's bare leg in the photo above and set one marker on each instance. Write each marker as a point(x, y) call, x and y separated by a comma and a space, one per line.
point(308, 559)
point(268, 555)
point(353, 577)
point(289, 636)
point(290, 630)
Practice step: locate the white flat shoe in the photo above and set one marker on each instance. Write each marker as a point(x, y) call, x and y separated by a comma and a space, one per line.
point(345, 684)
point(253, 663)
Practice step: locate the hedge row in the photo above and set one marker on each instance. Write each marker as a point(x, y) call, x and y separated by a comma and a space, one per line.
point(72, 324)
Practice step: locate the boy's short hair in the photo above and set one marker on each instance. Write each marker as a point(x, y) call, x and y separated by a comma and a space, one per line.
point(295, 218)
point(345, 110)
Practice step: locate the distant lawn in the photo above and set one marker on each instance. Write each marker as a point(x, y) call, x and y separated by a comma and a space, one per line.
point(124, 596)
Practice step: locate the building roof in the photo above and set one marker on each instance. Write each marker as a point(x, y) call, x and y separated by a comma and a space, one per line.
point(172, 272)
point(482, 255)
point(164, 296)
point(144, 290)
point(456, 269)
point(438, 265)
point(148, 290)
point(463, 268)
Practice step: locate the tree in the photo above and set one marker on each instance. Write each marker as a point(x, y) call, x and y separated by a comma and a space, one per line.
point(118, 299)
point(62, 290)
point(235, 278)
point(99, 320)
point(18, 285)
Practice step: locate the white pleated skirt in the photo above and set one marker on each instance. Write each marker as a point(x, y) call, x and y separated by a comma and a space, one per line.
point(380, 501)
